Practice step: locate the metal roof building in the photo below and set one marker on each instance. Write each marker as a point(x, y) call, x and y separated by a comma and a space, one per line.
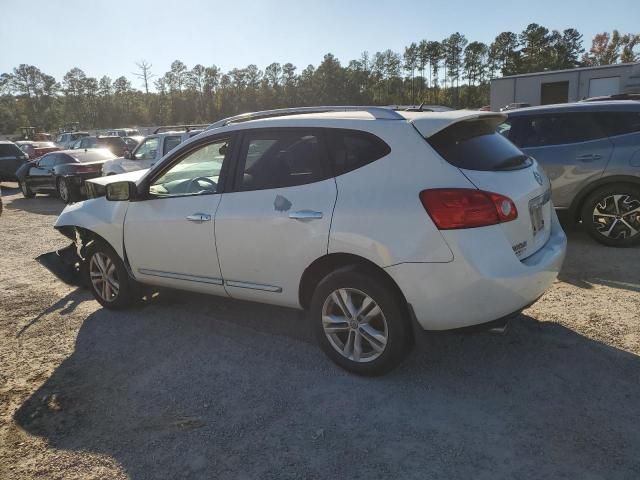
point(561, 86)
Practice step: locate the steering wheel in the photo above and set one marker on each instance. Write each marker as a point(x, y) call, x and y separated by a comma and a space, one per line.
point(196, 181)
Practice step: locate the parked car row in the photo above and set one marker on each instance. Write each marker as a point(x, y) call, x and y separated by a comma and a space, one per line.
point(589, 150)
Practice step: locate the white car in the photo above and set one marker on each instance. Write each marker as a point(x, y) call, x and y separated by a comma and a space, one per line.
point(381, 224)
point(148, 152)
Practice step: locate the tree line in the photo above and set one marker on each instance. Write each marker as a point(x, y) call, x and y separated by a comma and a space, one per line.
point(453, 72)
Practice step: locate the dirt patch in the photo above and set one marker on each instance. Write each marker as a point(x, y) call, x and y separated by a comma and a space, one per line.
point(190, 386)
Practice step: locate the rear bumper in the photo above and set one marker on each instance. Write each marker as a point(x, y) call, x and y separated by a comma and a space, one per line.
point(484, 282)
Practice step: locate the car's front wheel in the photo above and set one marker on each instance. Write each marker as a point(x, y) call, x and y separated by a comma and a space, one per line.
point(359, 321)
point(26, 191)
point(107, 277)
point(611, 215)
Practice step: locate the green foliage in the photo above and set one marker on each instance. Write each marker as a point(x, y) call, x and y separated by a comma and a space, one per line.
point(453, 72)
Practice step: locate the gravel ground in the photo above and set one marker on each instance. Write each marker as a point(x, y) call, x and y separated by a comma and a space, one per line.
point(188, 386)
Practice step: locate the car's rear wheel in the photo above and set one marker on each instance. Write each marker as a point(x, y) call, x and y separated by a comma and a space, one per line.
point(611, 215)
point(63, 190)
point(107, 277)
point(26, 191)
point(359, 322)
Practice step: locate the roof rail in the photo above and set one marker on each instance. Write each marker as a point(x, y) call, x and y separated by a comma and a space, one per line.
point(379, 113)
point(187, 128)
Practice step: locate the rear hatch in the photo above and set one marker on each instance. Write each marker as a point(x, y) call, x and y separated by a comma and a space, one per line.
point(493, 164)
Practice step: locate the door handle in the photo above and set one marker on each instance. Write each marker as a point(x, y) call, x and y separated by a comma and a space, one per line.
point(305, 215)
point(588, 157)
point(199, 217)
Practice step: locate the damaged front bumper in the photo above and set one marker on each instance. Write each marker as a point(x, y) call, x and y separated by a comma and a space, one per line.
point(65, 264)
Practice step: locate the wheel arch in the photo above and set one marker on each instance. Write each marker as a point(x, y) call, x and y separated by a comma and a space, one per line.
point(576, 206)
point(324, 265)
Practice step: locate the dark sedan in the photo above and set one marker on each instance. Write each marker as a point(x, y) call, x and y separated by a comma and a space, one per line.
point(62, 172)
point(11, 159)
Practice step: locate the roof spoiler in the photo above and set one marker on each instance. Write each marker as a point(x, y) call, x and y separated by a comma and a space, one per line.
point(186, 128)
point(379, 113)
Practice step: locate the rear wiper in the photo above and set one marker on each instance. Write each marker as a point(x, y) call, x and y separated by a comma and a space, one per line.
point(514, 163)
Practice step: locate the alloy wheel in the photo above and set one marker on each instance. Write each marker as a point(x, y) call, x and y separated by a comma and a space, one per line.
point(63, 191)
point(617, 216)
point(355, 325)
point(104, 277)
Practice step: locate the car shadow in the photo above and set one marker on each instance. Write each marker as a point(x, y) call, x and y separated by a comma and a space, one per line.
point(65, 305)
point(40, 204)
point(588, 263)
point(187, 387)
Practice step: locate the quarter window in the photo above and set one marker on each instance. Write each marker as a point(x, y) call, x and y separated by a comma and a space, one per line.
point(280, 158)
point(197, 173)
point(351, 149)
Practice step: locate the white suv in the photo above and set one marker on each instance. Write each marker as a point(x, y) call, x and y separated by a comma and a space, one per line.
point(148, 152)
point(380, 224)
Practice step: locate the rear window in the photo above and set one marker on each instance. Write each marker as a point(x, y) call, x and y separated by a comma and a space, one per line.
point(93, 155)
point(476, 145)
point(9, 150)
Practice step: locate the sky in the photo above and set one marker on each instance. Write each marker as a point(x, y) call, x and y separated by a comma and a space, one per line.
point(109, 37)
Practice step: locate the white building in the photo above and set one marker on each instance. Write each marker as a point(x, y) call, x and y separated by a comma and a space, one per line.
point(562, 86)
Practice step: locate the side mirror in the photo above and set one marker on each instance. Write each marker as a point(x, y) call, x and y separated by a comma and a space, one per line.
point(121, 191)
point(127, 155)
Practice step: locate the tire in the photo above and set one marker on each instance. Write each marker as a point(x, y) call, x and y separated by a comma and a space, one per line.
point(62, 190)
point(101, 258)
point(374, 356)
point(611, 214)
point(26, 191)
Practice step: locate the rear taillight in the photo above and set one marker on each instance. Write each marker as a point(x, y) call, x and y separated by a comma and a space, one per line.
point(452, 208)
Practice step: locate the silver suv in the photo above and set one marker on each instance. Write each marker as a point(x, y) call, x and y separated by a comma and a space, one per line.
point(591, 154)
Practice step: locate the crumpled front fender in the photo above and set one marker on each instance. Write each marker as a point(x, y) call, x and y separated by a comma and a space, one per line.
point(100, 216)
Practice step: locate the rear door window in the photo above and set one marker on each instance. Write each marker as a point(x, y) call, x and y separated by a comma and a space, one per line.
point(281, 158)
point(555, 129)
point(476, 145)
point(619, 123)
